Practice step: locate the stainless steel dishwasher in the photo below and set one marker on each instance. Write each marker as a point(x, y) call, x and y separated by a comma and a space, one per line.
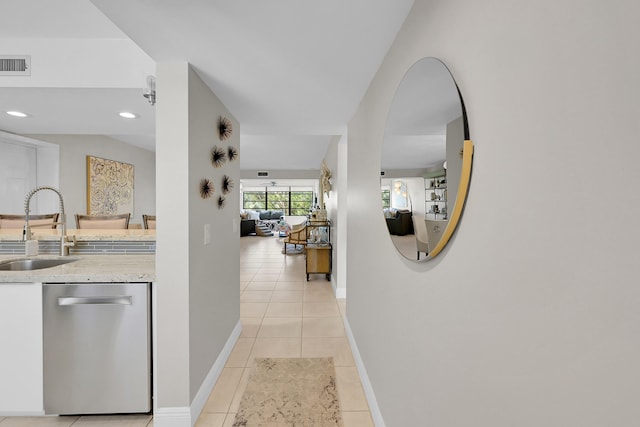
point(97, 348)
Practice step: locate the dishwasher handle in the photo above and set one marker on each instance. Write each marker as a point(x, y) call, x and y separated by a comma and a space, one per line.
point(111, 300)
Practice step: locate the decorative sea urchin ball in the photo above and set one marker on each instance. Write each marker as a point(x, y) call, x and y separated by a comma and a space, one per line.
point(225, 128)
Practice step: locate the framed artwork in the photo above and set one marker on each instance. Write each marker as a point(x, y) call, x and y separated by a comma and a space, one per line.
point(109, 187)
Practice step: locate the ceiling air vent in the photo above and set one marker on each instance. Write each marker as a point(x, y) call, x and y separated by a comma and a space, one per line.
point(263, 174)
point(15, 65)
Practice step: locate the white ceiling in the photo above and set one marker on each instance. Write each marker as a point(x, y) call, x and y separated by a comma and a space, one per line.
point(291, 72)
point(416, 128)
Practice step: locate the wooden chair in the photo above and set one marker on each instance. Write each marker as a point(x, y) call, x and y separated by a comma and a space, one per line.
point(40, 221)
point(105, 222)
point(297, 236)
point(149, 222)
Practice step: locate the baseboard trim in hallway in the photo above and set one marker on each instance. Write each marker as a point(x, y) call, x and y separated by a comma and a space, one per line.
point(376, 415)
point(187, 416)
point(207, 385)
point(172, 417)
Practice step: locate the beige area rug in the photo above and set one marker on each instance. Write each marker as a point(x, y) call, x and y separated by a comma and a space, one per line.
point(292, 393)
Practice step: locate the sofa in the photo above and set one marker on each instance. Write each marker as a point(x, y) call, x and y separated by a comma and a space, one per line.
point(250, 218)
point(271, 215)
point(269, 219)
point(399, 222)
point(247, 227)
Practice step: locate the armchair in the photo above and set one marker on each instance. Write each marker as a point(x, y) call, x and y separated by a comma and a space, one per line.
point(401, 224)
point(297, 236)
point(247, 227)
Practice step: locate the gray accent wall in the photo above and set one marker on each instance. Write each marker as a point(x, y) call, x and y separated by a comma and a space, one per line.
point(529, 317)
point(198, 294)
point(214, 269)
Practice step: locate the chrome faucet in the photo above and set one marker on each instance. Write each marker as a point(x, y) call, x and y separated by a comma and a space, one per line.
point(65, 243)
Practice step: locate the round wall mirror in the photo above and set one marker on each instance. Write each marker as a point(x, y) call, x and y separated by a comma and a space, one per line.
point(426, 161)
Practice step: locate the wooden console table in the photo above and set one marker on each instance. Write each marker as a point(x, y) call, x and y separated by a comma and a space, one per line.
point(319, 259)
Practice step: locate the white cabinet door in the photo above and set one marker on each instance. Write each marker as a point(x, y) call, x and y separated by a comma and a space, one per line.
point(21, 390)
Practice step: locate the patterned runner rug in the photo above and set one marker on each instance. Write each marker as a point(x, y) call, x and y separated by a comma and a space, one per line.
point(290, 392)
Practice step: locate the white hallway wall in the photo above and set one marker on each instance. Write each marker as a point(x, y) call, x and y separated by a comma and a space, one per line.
point(336, 160)
point(531, 315)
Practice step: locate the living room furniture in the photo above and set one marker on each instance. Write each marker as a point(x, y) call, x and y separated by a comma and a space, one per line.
point(270, 218)
point(435, 197)
point(267, 218)
point(105, 222)
point(297, 236)
point(263, 230)
point(247, 227)
point(271, 215)
point(400, 224)
point(422, 238)
point(318, 259)
point(319, 250)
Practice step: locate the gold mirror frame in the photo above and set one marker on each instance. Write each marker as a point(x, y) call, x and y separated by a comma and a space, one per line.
point(441, 86)
point(463, 189)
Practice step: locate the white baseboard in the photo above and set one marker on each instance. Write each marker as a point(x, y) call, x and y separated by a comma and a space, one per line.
point(172, 417)
point(339, 292)
point(22, 413)
point(376, 415)
point(187, 416)
point(197, 405)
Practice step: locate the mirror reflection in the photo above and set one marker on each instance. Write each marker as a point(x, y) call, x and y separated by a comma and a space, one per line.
point(421, 161)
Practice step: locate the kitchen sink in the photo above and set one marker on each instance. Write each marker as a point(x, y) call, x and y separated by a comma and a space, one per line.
point(27, 264)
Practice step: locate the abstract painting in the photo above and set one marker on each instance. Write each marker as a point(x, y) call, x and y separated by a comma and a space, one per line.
point(109, 187)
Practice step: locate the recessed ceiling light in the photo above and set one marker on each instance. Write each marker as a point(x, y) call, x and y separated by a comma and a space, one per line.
point(128, 115)
point(16, 113)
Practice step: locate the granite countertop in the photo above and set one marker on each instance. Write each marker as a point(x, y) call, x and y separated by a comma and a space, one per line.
point(86, 269)
point(13, 234)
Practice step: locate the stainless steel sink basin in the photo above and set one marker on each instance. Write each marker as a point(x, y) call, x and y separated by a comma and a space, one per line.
point(27, 264)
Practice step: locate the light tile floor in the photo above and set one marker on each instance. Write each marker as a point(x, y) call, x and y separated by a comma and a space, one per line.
point(282, 315)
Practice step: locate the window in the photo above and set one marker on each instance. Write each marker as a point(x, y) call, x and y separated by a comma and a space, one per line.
point(254, 200)
point(300, 202)
point(278, 201)
point(290, 200)
point(386, 198)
